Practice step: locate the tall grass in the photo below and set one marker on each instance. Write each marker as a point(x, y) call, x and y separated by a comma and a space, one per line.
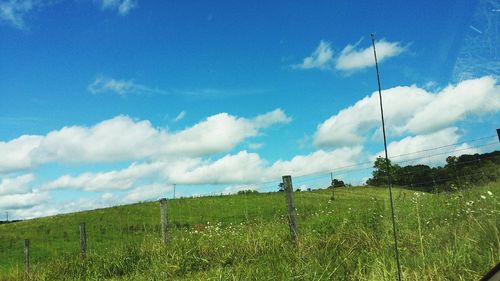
point(452, 236)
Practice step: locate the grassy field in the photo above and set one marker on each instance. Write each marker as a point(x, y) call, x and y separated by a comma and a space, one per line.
point(452, 236)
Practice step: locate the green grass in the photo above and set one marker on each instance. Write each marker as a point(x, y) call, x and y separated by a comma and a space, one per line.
point(452, 236)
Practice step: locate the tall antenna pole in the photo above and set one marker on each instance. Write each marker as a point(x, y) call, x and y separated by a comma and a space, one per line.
point(333, 187)
point(387, 166)
point(174, 190)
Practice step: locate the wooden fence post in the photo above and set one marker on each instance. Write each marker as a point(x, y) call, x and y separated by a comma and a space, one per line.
point(164, 221)
point(26, 257)
point(292, 216)
point(83, 240)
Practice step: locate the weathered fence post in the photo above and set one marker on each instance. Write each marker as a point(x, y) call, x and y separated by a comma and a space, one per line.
point(164, 222)
point(83, 240)
point(292, 216)
point(26, 258)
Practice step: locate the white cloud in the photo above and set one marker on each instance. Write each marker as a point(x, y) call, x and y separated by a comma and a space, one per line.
point(105, 181)
point(247, 168)
point(411, 149)
point(104, 84)
point(122, 138)
point(235, 188)
point(146, 193)
point(409, 110)
point(16, 153)
point(14, 11)
point(16, 185)
point(317, 162)
point(123, 7)
point(25, 200)
point(221, 132)
point(470, 97)
point(352, 58)
point(37, 211)
point(413, 144)
point(240, 168)
point(268, 119)
point(321, 58)
point(255, 146)
point(44, 207)
point(180, 116)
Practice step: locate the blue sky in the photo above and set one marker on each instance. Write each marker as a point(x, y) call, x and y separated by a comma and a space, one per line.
point(112, 101)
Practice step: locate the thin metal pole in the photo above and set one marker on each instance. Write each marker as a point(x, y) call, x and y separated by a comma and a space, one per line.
point(174, 190)
point(333, 187)
point(388, 167)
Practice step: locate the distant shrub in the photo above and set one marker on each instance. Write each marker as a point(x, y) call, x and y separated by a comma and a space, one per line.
point(247, 191)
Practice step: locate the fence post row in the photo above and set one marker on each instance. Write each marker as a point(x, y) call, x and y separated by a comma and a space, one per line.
point(83, 240)
point(164, 222)
point(292, 216)
point(26, 256)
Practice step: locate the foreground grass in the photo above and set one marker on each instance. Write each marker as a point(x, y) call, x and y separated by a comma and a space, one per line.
point(245, 237)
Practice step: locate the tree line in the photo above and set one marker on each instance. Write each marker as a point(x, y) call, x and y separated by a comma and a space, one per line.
point(459, 172)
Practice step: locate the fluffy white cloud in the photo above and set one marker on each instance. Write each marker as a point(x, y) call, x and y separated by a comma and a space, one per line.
point(16, 153)
point(321, 58)
point(146, 193)
point(240, 168)
point(352, 58)
point(317, 162)
point(246, 168)
point(114, 180)
point(104, 84)
point(37, 211)
point(221, 132)
point(42, 207)
point(16, 185)
point(411, 149)
point(122, 138)
point(123, 7)
point(268, 119)
point(410, 110)
point(25, 200)
point(413, 144)
point(470, 97)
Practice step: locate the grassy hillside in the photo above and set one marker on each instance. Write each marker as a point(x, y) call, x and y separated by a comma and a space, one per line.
point(452, 236)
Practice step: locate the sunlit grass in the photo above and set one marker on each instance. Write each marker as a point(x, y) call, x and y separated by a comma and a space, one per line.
point(452, 236)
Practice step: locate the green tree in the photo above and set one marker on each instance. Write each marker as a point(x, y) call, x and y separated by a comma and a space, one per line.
point(337, 183)
point(379, 174)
